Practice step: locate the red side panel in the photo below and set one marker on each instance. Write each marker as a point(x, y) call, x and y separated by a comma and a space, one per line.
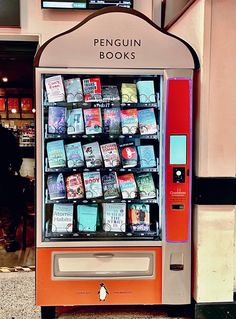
point(178, 166)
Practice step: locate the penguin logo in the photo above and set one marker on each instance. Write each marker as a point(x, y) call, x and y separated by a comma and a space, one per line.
point(103, 292)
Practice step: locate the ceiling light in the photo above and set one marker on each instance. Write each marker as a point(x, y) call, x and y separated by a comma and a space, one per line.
point(5, 79)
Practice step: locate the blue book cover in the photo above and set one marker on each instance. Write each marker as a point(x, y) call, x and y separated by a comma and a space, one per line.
point(146, 91)
point(56, 154)
point(56, 186)
point(56, 120)
point(147, 121)
point(74, 154)
point(73, 88)
point(75, 121)
point(87, 216)
point(92, 184)
point(111, 120)
point(146, 156)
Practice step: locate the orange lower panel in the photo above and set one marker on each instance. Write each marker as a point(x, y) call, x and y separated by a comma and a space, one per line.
point(50, 292)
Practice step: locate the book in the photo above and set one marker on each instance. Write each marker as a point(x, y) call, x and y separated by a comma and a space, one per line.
point(147, 121)
point(110, 93)
point(146, 186)
point(146, 156)
point(111, 120)
point(92, 183)
point(128, 186)
point(74, 186)
point(93, 121)
point(87, 216)
point(92, 154)
point(129, 156)
point(110, 154)
point(139, 217)
point(129, 121)
point(75, 121)
point(26, 104)
point(56, 154)
point(74, 154)
point(74, 91)
point(114, 217)
point(56, 186)
point(92, 90)
point(62, 218)
point(55, 88)
point(56, 120)
point(146, 91)
point(129, 93)
point(110, 185)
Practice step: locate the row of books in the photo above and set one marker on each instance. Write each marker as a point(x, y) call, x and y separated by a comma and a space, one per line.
point(94, 185)
point(92, 121)
point(114, 217)
point(95, 155)
point(76, 89)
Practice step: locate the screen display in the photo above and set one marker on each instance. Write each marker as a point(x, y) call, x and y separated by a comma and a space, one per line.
point(85, 4)
point(178, 149)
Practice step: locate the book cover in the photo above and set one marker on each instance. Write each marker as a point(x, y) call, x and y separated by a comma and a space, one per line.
point(129, 156)
point(129, 121)
point(92, 154)
point(139, 217)
point(74, 91)
point(146, 156)
point(114, 217)
point(56, 186)
point(110, 154)
point(55, 88)
point(87, 216)
point(146, 91)
point(56, 154)
point(129, 93)
point(74, 154)
point(110, 93)
point(146, 186)
point(75, 121)
point(93, 185)
point(128, 186)
point(93, 121)
point(147, 121)
point(26, 104)
point(111, 120)
point(74, 186)
point(110, 185)
point(62, 218)
point(56, 120)
point(92, 90)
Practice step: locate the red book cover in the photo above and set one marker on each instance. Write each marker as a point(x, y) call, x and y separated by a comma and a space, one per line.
point(13, 103)
point(92, 90)
point(26, 104)
point(2, 104)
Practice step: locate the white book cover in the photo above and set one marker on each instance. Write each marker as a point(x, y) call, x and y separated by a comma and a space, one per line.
point(114, 217)
point(110, 155)
point(55, 88)
point(92, 184)
point(92, 154)
point(74, 91)
point(62, 218)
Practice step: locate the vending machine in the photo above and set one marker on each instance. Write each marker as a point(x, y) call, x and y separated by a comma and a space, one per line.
point(114, 161)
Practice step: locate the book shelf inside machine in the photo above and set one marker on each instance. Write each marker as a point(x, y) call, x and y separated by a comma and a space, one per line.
point(101, 145)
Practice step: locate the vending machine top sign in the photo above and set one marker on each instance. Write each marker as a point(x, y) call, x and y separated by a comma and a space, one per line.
point(131, 41)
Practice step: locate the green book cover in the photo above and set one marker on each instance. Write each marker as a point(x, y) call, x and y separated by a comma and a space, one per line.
point(146, 187)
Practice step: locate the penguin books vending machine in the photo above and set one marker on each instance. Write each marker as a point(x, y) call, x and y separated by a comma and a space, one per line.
point(114, 161)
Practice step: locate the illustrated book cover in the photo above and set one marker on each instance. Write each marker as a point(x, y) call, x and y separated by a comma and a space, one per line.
point(146, 156)
point(74, 91)
point(129, 156)
point(92, 90)
point(110, 185)
point(128, 186)
point(56, 154)
point(74, 186)
point(92, 154)
point(129, 93)
point(110, 93)
point(93, 121)
point(56, 120)
point(111, 120)
point(146, 91)
point(56, 186)
point(146, 186)
point(93, 185)
point(55, 88)
point(139, 217)
point(87, 216)
point(75, 121)
point(147, 121)
point(114, 217)
point(129, 121)
point(110, 154)
point(62, 218)
point(74, 155)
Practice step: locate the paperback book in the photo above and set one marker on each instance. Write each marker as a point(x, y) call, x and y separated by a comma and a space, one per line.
point(55, 88)
point(114, 217)
point(147, 121)
point(146, 156)
point(129, 156)
point(56, 154)
point(111, 120)
point(62, 218)
point(128, 186)
point(93, 185)
point(92, 90)
point(87, 216)
point(74, 155)
point(110, 93)
point(92, 154)
point(139, 217)
point(129, 93)
point(74, 91)
point(93, 121)
point(75, 121)
point(146, 91)
point(56, 186)
point(146, 186)
point(110, 154)
point(74, 186)
point(110, 185)
point(129, 121)
point(56, 120)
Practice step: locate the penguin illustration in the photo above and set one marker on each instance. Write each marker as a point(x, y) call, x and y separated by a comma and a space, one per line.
point(103, 292)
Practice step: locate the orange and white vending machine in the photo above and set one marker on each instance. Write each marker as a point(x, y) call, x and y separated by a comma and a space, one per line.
point(114, 162)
